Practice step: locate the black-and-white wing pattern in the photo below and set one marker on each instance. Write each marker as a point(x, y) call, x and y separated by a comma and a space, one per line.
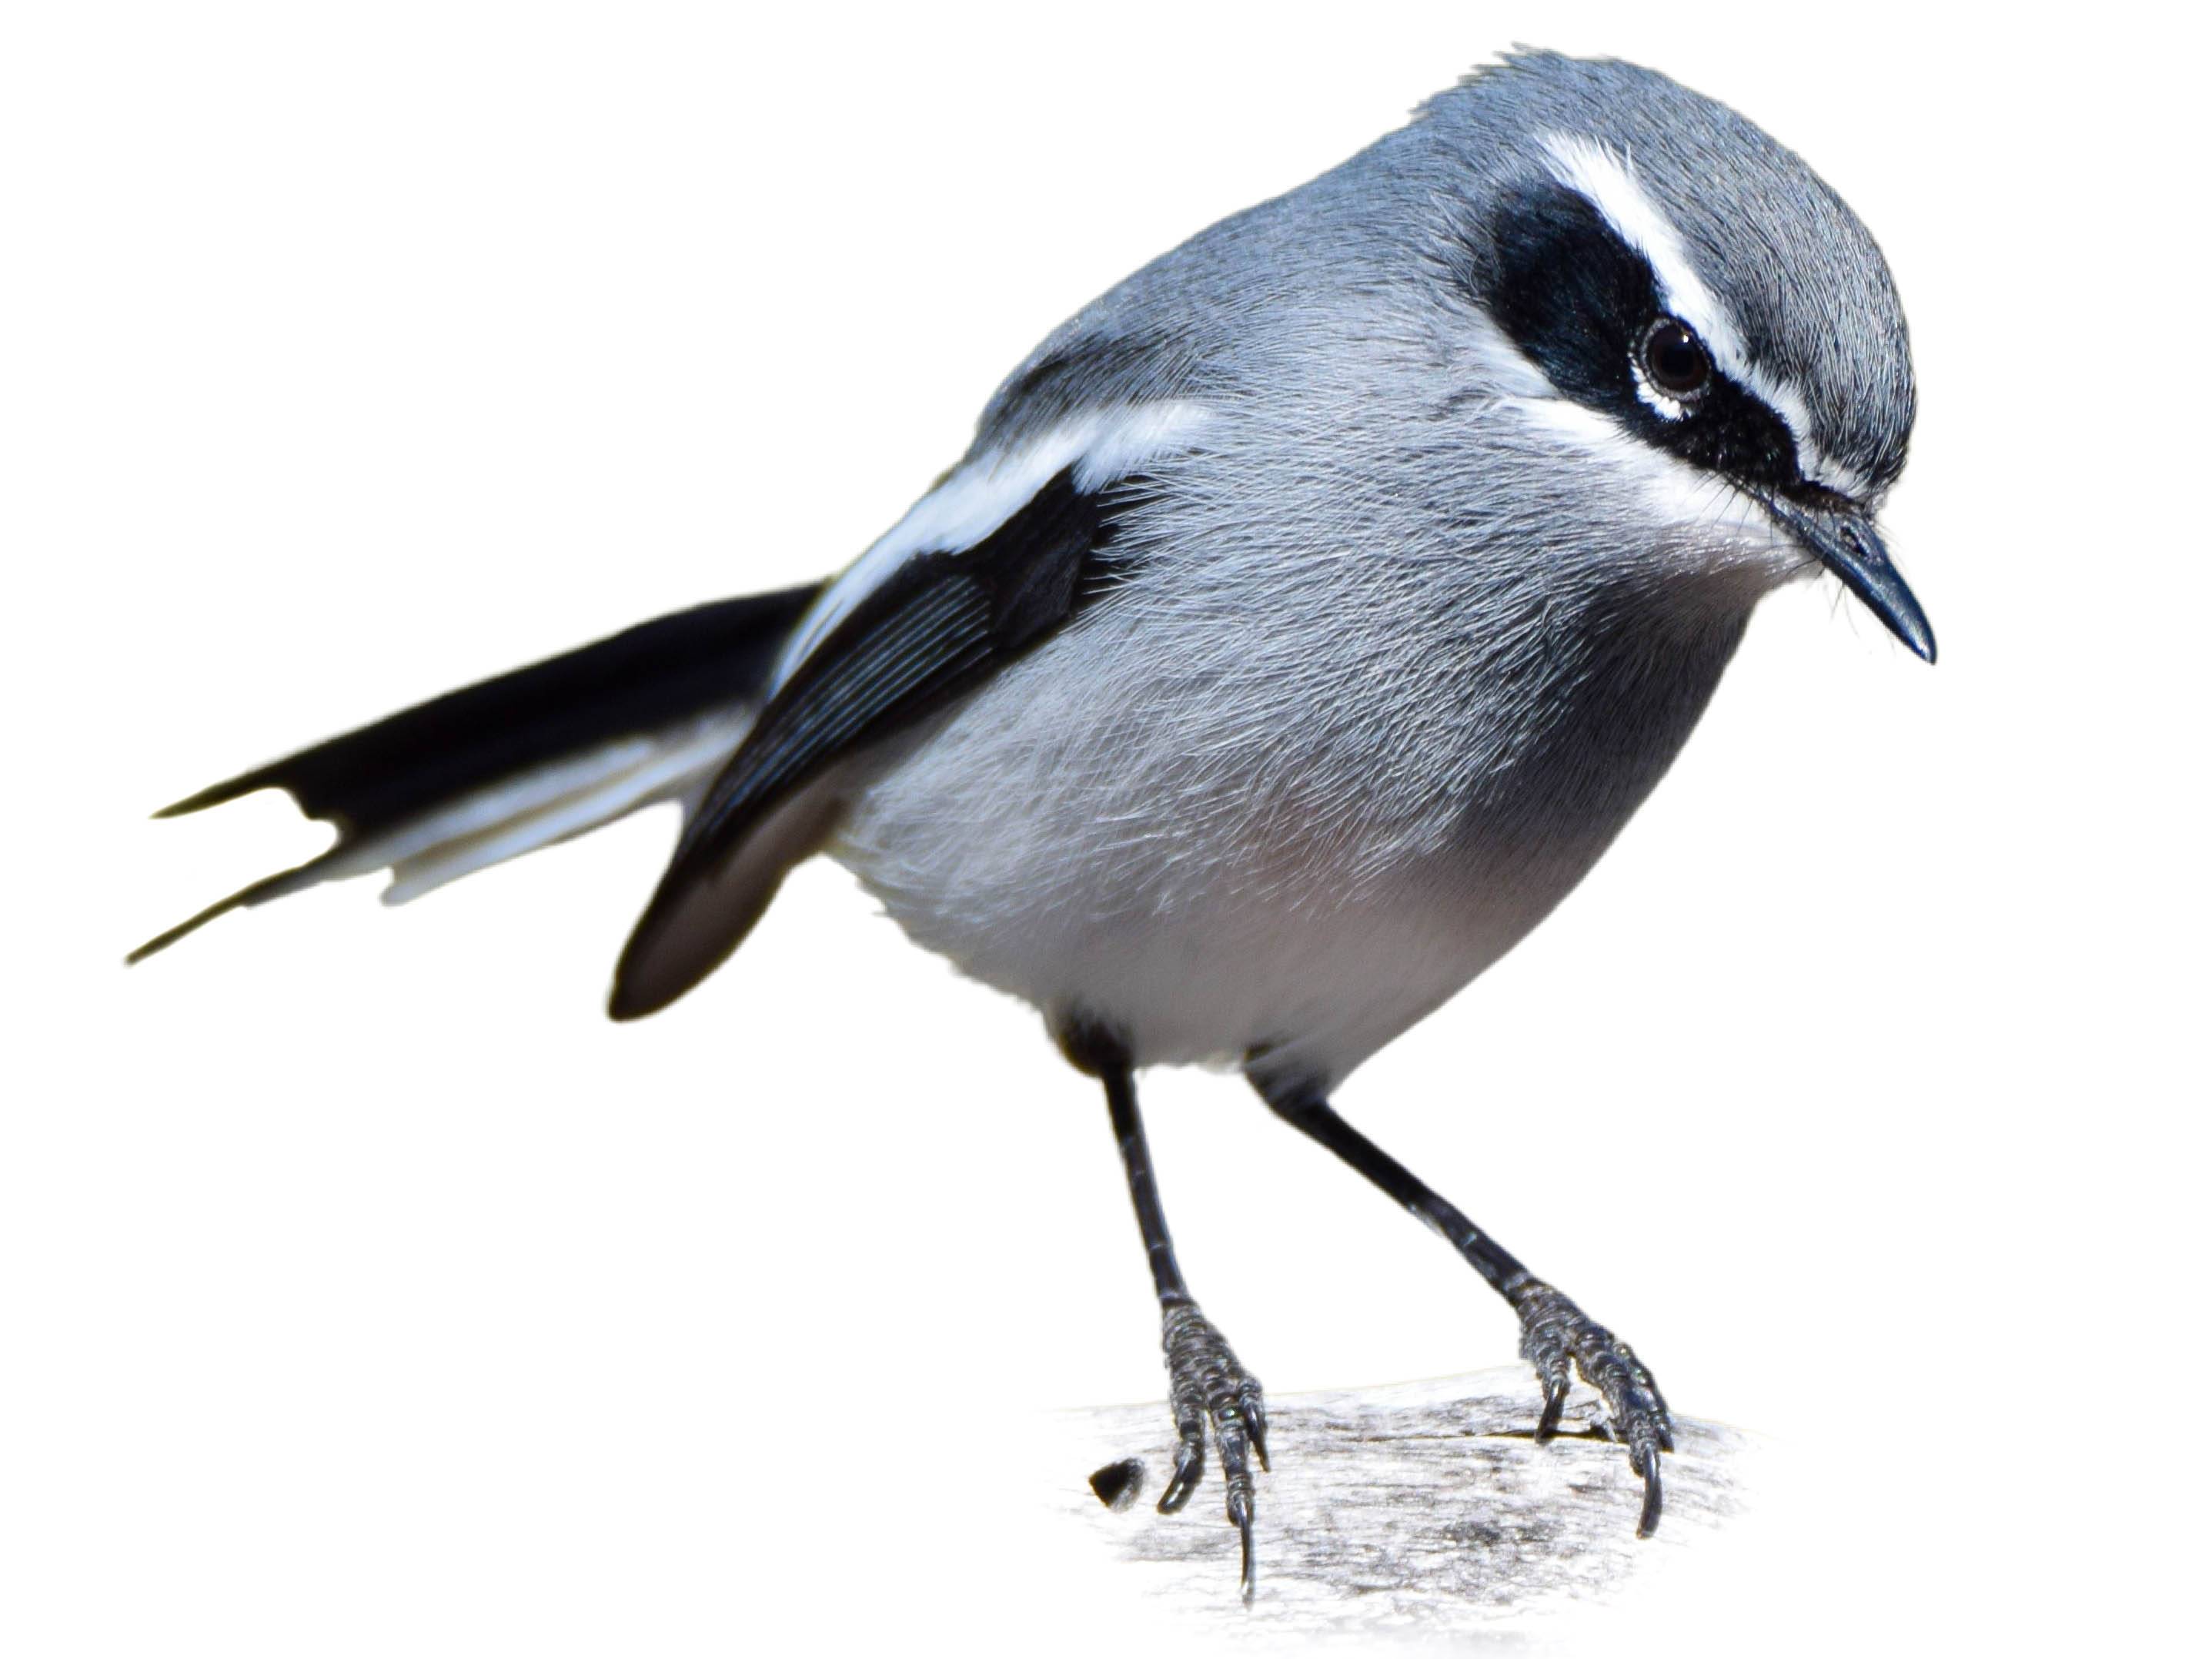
point(1003, 552)
point(743, 710)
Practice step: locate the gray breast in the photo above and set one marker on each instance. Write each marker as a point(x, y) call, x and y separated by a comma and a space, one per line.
point(1300, 825)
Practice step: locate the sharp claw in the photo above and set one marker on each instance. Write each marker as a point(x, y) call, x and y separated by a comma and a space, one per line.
point(1648, 1522)
point(1253, 1406)
point(1247, 1578)
point(1555, 1402)
point(1183, 1482)
point(1666, 1435)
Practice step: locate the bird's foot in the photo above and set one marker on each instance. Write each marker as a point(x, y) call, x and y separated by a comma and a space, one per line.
point(1208, 1386)
point(1554, 1333)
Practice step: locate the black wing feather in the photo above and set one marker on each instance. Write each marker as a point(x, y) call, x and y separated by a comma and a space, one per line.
point(937, 626)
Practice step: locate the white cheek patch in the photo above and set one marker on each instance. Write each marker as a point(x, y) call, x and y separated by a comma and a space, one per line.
point(1608, 183)
point(982, 495)
point(1678, 495)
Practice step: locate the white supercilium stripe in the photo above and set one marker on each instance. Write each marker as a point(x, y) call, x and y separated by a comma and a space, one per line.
point(1608, 183)
point(978, 497)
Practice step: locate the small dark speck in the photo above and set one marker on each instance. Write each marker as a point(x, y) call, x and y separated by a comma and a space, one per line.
point(1475, 1534)
point(1118, 1484)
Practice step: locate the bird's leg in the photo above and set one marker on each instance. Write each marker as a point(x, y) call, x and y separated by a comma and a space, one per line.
point(1207, 1385)
point(1556, 1336)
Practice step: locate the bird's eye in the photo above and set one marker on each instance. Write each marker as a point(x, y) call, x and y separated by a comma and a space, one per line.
point(1675, 359)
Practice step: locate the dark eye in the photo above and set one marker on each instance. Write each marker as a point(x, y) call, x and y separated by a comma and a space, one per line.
point(1674, 360)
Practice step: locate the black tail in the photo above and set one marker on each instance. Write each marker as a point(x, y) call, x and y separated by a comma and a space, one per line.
point(511, 764)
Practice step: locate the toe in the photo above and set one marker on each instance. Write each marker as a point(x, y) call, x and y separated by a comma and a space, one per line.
point(1237, 1477)
point(1253, 1404)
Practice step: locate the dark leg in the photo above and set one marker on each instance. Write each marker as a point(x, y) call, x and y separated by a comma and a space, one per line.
point(1553, 1331)
point(1205, 1384)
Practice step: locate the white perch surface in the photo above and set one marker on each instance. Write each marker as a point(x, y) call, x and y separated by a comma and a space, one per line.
point(1424, 1507)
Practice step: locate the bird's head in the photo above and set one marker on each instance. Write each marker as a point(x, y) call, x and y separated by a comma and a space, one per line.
point(1668, 285)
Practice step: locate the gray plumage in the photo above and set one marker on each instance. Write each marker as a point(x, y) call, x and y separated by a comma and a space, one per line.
point(1396, 670)
point(1308, 615)
point(1399, 635)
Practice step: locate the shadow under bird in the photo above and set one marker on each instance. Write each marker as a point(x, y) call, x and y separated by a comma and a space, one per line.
point(1308, 614)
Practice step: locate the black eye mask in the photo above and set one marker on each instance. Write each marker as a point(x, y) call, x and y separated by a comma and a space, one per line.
point(1580, 303)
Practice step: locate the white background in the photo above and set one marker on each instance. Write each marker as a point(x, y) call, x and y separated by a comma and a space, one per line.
point(362, 1291)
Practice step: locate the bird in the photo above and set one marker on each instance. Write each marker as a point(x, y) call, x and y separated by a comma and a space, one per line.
point(1308, 614)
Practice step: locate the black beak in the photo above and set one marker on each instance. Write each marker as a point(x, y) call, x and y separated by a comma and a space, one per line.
point(1843, 538)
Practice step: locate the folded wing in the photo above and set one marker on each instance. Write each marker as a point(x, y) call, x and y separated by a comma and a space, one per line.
point(891, 643)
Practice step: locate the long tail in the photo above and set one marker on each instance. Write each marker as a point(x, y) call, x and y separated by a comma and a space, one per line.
point(512, 764)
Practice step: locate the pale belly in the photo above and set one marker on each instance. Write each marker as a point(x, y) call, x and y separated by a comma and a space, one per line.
point(1242, 859)
point(1205, 927)
point(1316, 987)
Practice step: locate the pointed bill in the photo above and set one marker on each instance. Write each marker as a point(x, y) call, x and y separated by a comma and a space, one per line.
point(1844, 538)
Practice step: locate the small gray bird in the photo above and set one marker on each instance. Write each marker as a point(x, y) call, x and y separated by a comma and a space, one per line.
point(1307, 617)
